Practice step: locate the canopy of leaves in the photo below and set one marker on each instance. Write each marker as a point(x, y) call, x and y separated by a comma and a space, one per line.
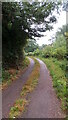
point(21, 21)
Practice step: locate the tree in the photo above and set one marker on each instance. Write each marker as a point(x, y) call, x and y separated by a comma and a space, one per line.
point(22, 21)
point(31, 46)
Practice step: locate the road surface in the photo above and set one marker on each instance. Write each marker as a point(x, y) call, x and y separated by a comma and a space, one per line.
point(12, 93)
point(44, 102)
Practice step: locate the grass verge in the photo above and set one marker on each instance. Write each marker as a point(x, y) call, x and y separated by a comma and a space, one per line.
point(57, 71)
point(20, 104)
point(12, 74)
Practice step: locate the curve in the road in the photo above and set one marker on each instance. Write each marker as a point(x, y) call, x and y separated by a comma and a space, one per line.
point(44, 102)
point(12, 93)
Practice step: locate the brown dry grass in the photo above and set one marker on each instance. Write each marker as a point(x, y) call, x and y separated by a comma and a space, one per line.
point(31, 83)
point(18, 107)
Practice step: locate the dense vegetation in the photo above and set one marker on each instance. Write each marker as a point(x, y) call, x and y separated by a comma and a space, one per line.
point(21, 21)
point(57, 49)
point(31, 46)
point(57, 71)
point(55, 57)
point(9, 75)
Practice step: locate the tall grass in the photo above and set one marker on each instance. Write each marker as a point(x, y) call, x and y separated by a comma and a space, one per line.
point(57, 71)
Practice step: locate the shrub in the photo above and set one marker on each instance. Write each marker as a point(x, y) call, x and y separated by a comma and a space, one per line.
point(47, 51)
point(59, 53)
point(37, 52)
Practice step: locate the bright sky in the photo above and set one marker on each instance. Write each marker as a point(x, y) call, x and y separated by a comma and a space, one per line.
point(49, 34)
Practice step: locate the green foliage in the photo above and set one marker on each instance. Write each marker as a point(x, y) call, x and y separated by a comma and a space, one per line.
point(10, 74)
point(18, 107)
point(54, 56)
point(59, 79)
point(25, 63)
point(13, 42)
point(17, 22)
point(36, 52)
point(47, 52)
point(31, 46)
point(5, 75)
point(57, 49)
point(59, 53)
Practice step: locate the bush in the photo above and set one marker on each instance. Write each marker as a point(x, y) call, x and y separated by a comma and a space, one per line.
point(59, 53)
point(5, 75)
point(37, 52)
point(47, 52)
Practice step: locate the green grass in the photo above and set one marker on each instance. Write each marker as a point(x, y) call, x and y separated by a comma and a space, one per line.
point(25, 63)
point(57, 71)
point(18, 107)
point(32, 80)
point(20, 104)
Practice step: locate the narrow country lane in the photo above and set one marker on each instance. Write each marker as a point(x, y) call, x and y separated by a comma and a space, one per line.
point(44, 102)
point(12, 93)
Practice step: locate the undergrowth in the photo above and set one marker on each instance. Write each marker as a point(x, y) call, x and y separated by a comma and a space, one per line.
point(57, 71)
point(12, 74)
